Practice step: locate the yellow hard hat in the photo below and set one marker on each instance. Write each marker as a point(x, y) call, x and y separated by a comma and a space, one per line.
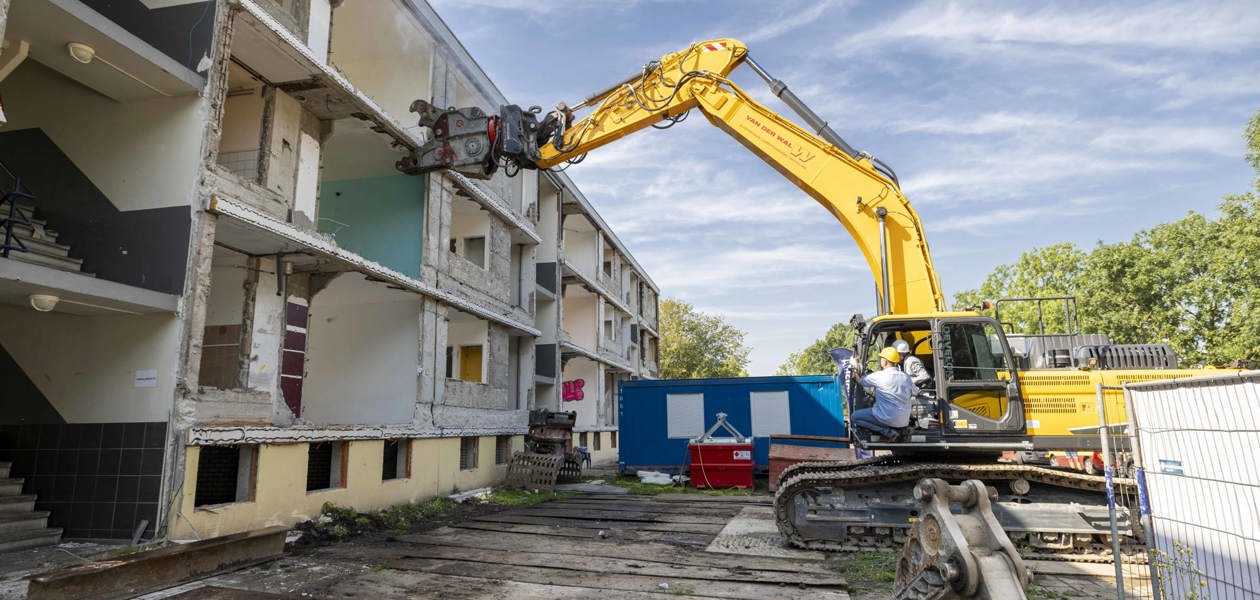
point(890, 354)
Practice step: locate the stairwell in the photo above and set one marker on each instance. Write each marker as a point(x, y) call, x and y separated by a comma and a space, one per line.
point(21, 526)
point(31, 240)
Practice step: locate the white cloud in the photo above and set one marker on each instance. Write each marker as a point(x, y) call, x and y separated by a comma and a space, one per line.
point(1187, 90)
point(798, 15)
point(985, 124)
point(1187, 27)
point(1171, 139)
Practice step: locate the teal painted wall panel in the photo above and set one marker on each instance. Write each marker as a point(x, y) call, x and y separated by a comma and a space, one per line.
point(383, 216)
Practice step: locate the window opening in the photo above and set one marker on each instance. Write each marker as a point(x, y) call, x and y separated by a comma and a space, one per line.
point(468, 453)
point(503, 450)
point(396, 460)
point(225, 474)
point(325, 465)
point(475, 250)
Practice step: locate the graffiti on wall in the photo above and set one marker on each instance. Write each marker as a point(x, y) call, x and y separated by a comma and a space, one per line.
point(572, 390)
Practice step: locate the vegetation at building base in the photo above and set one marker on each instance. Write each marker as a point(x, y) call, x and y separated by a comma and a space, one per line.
point(696, 345)
point(339, 523)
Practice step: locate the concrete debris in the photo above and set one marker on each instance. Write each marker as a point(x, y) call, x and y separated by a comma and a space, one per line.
point(478, 493)
point(655, 478)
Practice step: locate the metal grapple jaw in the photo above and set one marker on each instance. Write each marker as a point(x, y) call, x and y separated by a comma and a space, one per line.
point(470, 142)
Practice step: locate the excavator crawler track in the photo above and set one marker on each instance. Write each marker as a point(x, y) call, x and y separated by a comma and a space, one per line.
point(868, 505)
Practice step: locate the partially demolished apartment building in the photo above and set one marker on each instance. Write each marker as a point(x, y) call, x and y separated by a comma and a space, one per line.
point(221, 306)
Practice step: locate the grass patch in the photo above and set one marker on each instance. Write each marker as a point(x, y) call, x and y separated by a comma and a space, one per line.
point(871, 572)
point(339, 523)
point(401, 517)
point(632, 483)
point(514, 497)
point(1040, 593)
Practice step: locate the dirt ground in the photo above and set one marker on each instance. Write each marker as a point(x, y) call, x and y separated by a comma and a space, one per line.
point(583, 545)
point(590, 545)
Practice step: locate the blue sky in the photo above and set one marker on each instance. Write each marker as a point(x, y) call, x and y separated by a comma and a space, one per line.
point(1011, 126)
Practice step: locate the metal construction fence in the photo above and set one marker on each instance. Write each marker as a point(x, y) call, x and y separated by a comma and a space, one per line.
point(1193, 446)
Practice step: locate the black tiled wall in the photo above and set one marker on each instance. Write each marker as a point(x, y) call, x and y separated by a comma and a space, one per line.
point(99, 480)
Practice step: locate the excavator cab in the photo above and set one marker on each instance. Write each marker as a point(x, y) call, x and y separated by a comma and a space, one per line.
point(974, 398)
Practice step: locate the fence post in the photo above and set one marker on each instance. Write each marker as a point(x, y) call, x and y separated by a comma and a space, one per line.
point(1144, 501)
point(1108, 466)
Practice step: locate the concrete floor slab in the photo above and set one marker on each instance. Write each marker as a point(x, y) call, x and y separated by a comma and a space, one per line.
point(754, 533)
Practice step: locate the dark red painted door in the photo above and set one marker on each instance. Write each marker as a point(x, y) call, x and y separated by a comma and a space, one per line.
point(293, 359)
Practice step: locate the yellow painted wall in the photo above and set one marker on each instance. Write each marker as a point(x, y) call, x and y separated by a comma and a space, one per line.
point(606, 453)
point(280, 489)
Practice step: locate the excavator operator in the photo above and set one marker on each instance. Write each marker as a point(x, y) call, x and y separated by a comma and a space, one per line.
point(913, 365)
point(894, 392)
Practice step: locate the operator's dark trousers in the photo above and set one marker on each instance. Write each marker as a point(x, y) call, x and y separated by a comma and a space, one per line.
point(865, 418)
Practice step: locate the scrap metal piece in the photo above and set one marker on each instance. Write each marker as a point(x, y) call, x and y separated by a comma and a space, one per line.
point(965, 555)
point(547, 457)
point(462, 140)
point(530, 470)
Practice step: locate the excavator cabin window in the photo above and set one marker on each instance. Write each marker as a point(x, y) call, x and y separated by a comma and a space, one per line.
point(917, 335)
point(976, 375)
point(973, 352)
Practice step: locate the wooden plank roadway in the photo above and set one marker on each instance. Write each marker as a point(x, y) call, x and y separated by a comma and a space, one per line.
point(611, 547)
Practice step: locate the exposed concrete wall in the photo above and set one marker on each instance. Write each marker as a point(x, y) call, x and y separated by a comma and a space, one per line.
point(592, 376)
point(281, 497)
point(306, 189)
point(227, 288)
point(319, 28)
point(581, 248)
point(492, 282)
point(242, 122)
point(361, 354)
point(548, 223)
point(527, 192)
point(265, 335)
point(383, 53)
point(282, 130)
point(581, 316)
point(119, 146)
point(87, 365)
point(432, 371)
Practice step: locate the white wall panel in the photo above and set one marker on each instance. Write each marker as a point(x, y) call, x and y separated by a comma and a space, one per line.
point(685, 415)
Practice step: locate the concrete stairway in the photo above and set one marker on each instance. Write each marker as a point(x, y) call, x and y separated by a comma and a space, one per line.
point(21, 526)
point(40, 241)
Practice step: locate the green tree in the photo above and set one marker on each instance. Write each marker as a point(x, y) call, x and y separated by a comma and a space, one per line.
point(696, 345)
point(1252, 136)
point(1051, 271)
point(1193, 283)
point(815, 359)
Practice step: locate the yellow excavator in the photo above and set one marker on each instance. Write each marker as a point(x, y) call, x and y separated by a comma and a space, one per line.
point(991, 392)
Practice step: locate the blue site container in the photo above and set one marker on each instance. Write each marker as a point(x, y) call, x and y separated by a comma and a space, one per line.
point(657, 418)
